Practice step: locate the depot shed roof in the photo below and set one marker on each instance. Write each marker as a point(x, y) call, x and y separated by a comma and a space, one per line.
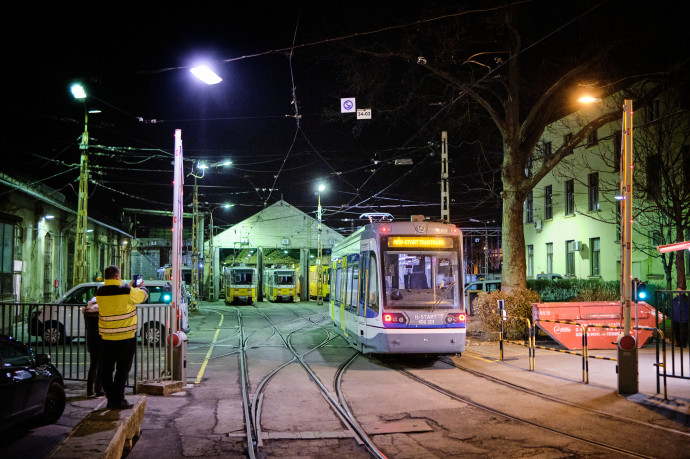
point(279, 225)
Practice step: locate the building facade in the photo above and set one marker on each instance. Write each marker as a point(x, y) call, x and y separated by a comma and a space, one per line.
point(572, 217)
point(37, 230)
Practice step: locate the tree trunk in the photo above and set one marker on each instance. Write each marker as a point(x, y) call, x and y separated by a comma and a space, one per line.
point(680, 260)
point(514, 266)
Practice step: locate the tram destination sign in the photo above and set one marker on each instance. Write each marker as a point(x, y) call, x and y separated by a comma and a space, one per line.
point(425, 242)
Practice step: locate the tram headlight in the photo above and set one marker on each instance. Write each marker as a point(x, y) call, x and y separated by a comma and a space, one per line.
point(455, 318)
point(394, 318)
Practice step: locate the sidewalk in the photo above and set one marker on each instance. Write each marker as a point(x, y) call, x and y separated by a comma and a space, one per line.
point(562, 374)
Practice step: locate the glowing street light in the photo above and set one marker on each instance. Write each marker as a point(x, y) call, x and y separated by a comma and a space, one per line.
point(78, 91)
point(589, 99)
point(206, 75)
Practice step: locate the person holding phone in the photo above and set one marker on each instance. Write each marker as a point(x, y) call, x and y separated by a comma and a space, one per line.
point(117, 325)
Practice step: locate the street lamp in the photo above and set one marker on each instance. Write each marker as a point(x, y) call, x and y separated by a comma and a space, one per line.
point(319, 275)
point(80, 244)
point(206, 75)
point(198, 171)
point(627, 344)
point(212, 252)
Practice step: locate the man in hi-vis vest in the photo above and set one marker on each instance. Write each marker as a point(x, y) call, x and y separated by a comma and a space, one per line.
point(117, 325)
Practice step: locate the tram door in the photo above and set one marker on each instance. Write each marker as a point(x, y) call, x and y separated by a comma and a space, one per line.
point(351, 295)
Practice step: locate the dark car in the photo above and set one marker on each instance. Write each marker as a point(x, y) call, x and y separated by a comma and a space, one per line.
point(31, 389)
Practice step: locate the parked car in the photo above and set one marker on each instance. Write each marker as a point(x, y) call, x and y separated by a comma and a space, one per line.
point(62, 321)
point(550, 276)
point(472, 289)
point(31, 389)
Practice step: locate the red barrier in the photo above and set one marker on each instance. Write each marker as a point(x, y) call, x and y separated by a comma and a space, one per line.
point(592, 313)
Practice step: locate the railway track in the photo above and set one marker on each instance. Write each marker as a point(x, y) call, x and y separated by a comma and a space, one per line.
point(253, 402)
point(546, 424)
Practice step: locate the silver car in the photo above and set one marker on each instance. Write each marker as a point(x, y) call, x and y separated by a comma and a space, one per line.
point(64, 321)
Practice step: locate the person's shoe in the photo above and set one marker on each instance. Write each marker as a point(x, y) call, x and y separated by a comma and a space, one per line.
point(123, 405)
point(100, 393)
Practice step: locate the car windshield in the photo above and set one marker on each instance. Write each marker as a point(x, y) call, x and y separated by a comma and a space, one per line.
point(81, 295)
point(159, 294)
point(420, 279)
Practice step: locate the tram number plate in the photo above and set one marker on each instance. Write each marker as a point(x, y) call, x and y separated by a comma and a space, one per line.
point(426, 319)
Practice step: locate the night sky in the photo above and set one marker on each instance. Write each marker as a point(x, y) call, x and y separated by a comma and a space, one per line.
point(135, 63)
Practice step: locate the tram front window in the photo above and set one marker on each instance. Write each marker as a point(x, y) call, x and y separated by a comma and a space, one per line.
point(243, 277)
point(284, 278)
point(420, 279)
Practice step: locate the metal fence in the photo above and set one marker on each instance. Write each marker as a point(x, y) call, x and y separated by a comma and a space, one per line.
point(674, 322)
point(60, 331)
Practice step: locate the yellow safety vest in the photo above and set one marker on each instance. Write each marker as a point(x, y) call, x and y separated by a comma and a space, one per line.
point(117, 308)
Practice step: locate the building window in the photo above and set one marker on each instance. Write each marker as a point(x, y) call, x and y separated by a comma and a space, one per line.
point(595, 260)
point(652, 111)
point(593, 191)
point(530, 261)
point(654, 166)
point(549, 257)
point(548, 151)
point(567, 138)
point(570, 258)
point(548, 202)
point(529, 208)
point(617, 153)
point(6, 259)
point(592, 138)
point(569, 197)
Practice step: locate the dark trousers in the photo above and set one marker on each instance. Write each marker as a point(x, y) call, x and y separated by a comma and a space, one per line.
point(680, 333)
point(117, 357)
point(93, 378)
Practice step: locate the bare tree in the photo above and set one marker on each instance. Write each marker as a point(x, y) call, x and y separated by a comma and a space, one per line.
point(519, 64)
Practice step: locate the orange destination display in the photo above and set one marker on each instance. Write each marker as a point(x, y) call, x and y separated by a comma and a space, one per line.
point(420, 242)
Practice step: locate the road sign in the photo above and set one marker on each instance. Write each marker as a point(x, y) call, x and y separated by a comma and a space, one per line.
point(347, 105)
point(363, 113)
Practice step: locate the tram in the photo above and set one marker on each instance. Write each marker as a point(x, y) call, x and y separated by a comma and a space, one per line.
point(280, 284)
point(240, 285)
point(396, 288)
point(314, 272)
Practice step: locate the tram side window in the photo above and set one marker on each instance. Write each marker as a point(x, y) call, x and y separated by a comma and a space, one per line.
point(336, 284)
point(343, 286)
point(354, 285)
point(348, 286)
point(373, 284)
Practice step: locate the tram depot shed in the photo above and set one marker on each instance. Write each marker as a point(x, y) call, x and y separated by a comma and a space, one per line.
point(280, 234)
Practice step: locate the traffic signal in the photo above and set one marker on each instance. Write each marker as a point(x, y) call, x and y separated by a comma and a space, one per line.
point(640, 290)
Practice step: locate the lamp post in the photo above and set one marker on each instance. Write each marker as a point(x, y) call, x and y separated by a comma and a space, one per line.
point(212, 253)
point(80, 245)
point(628, 382)
point(319, 253)
point(198, 172)
point(627, 345)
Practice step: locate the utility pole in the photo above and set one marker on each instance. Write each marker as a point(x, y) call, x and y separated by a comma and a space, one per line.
point(627, 345)
point(195, 249)
point(319, 254)
point(80, 246)
point(445, 193)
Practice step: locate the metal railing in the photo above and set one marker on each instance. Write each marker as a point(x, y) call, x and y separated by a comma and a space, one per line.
point(532, 347)
point(60, 331)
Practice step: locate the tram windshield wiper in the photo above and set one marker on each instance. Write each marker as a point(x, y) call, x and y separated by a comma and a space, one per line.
point(443, 296)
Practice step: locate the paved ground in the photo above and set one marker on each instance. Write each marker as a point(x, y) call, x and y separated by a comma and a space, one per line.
point(557, 372)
